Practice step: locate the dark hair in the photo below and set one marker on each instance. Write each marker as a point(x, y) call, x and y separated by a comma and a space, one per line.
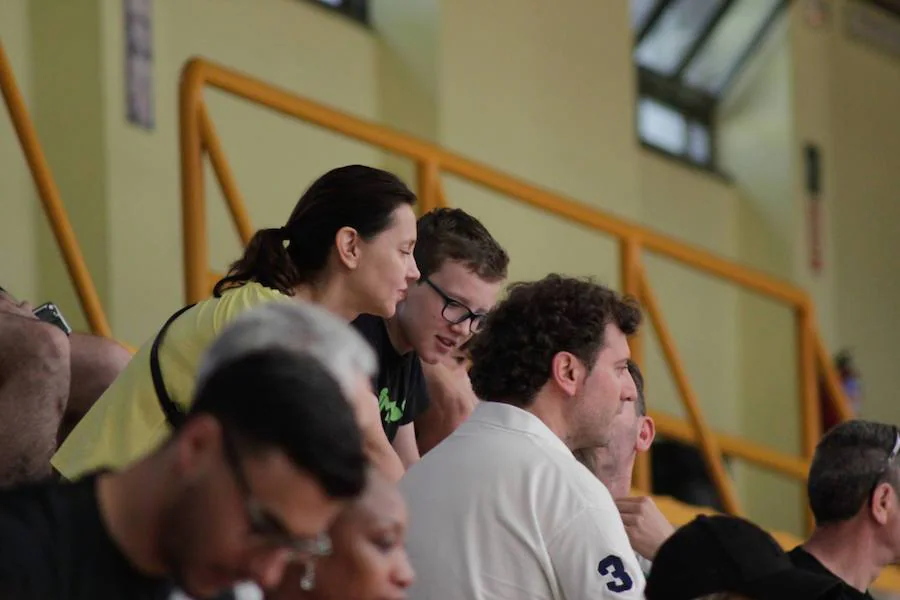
point(453, 234)
point(849, 462)
point(511, 356)
point(640, 402)
point(277, 399)
point(354, 196)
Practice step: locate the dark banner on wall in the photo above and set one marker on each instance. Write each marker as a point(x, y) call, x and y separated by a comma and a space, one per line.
point(139, 63)
point(813, 167)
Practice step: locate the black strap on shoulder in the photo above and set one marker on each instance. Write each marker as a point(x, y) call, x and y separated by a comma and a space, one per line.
point(174, 414)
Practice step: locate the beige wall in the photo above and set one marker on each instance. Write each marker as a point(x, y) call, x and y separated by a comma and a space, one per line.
point(814, 85)
point(866, 127)
point(516, 93)
point(67, 93)
point(511, 95)
point(813, 115)
point(757, 144)
point(18, 211)
point(292, 44)
point(408, 45)
point(701, 312)
point(121, 183)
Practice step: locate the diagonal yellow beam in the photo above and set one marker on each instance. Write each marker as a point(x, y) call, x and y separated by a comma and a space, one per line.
point(709, 446)
point(50, 200)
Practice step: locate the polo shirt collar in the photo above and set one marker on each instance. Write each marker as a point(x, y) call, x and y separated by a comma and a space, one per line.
point(513, 418)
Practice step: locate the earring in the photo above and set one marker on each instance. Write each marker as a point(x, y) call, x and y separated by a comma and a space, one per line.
point(308, 581)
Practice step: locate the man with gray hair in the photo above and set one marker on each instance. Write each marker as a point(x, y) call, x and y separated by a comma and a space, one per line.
point(341, 349)
point(854, 495)
point(251, 479)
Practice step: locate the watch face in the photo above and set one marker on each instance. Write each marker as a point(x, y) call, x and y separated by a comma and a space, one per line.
point(49, 313)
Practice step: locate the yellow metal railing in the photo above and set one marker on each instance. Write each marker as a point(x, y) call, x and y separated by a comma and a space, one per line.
point(198, 135)
point(50, 200)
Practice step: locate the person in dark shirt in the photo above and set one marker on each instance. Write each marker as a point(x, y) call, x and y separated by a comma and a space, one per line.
point(854, 495)
point(806, 561)
point(729, 557)
point(250, 480)
point(399, 384)
point(462, 268)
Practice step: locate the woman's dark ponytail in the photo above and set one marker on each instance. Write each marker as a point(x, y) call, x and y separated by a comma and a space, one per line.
point(355, 196)
point(266, 261)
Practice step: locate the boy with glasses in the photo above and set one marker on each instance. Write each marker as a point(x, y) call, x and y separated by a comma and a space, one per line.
point(462, 270)
point(237, 492)
point(854, 494)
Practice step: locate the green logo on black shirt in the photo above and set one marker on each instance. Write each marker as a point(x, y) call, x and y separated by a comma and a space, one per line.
point(391, 413)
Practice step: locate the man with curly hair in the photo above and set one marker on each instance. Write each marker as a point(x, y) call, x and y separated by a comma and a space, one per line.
point(502, 509)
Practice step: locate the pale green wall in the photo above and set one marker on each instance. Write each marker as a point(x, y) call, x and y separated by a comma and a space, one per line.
point(513, 94)
point(121, 183)
point(517, 92)
point(865, 96)
point(814, 85)
point(700, 311)
point(813, 114)
point(292, 44)
point(756, 148)
point(67, 50)
point(407, 70)
point(18, 210)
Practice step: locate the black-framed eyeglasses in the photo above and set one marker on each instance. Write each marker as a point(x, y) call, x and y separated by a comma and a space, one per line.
point(888, 463)
point(455, 312)
point(264, 524)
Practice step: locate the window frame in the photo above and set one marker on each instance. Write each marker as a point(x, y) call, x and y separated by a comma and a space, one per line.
point(691, 104)
point(695, 105)
point(357, 10)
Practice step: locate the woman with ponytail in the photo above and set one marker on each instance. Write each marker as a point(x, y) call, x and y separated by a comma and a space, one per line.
point(347, 245)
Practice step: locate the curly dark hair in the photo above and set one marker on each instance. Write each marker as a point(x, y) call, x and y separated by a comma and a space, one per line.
point(511, 356)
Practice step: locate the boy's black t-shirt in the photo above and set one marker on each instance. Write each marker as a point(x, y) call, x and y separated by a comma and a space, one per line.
point(54, 545)
point(806, 561)
point(400, 383)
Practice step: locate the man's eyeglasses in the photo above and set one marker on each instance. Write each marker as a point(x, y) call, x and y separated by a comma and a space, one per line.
point(455, 312)
point(263, 523)
point(888, 463)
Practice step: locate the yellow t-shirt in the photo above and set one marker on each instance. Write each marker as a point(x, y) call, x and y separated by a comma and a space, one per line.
point(127, 422)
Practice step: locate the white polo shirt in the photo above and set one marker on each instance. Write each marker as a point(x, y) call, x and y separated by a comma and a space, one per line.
point(501, 510)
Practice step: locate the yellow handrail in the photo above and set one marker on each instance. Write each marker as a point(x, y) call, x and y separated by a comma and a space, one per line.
point(226, 179)
point(709, 445)
point(50, 200)
point(431, 161)
point(733, 445)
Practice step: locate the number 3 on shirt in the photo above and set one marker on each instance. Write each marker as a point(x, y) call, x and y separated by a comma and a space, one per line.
point(612, 568)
